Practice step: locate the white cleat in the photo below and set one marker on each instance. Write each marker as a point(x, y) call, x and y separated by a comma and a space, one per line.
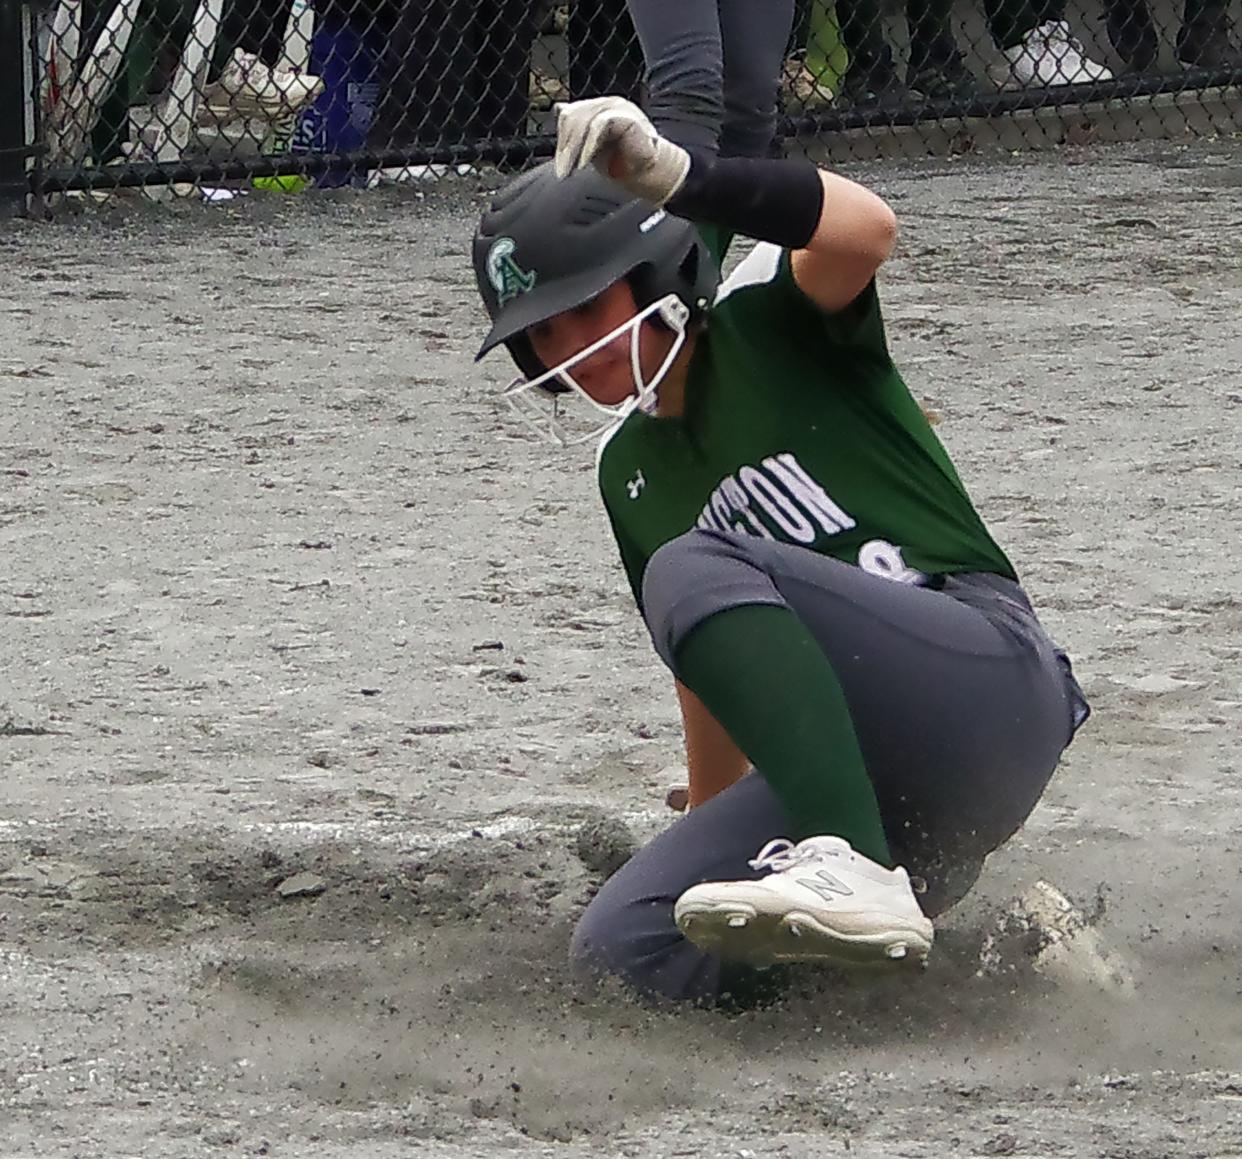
point(821, 902)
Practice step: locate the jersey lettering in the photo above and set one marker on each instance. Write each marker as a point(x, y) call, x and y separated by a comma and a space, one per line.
point(719, 506)
point(809, 493)
point(707, 521)
point(737, 499)
point(779, 507)
point(881, 558)
point(781, 490)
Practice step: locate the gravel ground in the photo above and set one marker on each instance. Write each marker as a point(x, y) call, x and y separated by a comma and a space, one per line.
point(314, 669)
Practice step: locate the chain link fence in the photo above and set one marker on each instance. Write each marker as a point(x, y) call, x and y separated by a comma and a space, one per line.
point(230, 94)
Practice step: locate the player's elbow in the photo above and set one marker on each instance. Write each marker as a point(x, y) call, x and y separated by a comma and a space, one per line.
point(879, 233)
point(867, 244)
point(858, 228)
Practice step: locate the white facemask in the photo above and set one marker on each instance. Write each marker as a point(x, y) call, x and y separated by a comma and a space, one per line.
point(574, 416)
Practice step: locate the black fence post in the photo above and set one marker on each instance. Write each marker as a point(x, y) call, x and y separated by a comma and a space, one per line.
point(15, 102)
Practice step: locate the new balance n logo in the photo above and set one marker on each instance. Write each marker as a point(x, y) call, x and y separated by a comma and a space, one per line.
point(825, 885)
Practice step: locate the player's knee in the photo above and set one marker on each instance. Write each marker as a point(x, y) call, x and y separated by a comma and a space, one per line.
point(605, 944)
point(638, 947)
point(591, 950)
point(684, 563)
point(696, 575)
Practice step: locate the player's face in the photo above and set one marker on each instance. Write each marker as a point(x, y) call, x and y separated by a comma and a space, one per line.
point(607, 375)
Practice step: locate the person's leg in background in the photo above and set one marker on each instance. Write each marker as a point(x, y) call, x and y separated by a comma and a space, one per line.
point(502, 34)
point(936, 67)
point(426, 60)
point(457, 71)
point(754, 37)
point(1039, 48)
point(872, 77)
point(713, 70)
point(605, 57)
point(681, 46)
point(818, 61)
point(258, 26)
point(154, 48)
point(713, 67)
point(1204, 39)
point(704, 93)
point(1012, 21)
point(1132, 33)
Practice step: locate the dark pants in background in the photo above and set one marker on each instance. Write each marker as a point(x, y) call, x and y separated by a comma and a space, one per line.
point(712, 69)
point(458, 70)
point(604, 54)
point(454, 71)
point(862, 33)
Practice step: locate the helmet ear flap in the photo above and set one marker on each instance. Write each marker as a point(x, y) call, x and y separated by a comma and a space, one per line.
point(692, 279)
point(690, 267)
point(523, 354)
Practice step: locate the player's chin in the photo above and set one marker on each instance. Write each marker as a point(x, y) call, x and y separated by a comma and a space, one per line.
point(609, 390)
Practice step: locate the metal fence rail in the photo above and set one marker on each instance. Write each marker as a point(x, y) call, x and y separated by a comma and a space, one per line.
point(105, 94)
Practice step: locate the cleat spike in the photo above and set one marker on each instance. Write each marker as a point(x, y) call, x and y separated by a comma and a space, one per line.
point(738, 921)
point(896, 952)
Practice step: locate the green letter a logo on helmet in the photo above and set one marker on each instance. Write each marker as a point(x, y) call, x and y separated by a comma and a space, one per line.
point(504, 273)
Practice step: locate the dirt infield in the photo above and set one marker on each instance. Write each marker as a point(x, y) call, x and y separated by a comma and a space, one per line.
point(312, 667)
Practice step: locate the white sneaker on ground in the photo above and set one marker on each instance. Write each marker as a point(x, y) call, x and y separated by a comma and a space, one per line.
point(1050, 55)
point(821, 902)
point(248, 87)
point(802, 88)
point(546, 91)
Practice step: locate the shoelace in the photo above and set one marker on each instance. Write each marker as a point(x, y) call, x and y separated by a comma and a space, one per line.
point(776, 855)
point(1058, 32)
point(781, 854)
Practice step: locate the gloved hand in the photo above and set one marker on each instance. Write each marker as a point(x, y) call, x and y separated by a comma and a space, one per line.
point(615, 136)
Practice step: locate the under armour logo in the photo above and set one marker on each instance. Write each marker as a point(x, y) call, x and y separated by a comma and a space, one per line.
point(635, 485)
point(827, 886)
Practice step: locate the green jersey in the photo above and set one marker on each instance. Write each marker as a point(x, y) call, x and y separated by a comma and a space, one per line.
point(797, 428)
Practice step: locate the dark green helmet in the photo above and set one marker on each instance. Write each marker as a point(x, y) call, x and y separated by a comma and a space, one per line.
point(546, 245)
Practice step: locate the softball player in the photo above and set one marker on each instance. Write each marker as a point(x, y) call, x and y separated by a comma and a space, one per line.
point(870, 703)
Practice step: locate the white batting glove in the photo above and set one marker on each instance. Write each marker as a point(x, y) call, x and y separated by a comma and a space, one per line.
point(615, 136)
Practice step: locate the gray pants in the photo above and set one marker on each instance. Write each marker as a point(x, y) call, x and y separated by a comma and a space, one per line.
point(961, 704)
point(712, 69)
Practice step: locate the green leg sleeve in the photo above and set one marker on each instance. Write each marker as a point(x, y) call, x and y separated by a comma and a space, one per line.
point(761, 674)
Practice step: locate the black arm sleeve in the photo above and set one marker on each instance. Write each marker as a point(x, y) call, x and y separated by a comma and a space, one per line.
point(772, 200)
